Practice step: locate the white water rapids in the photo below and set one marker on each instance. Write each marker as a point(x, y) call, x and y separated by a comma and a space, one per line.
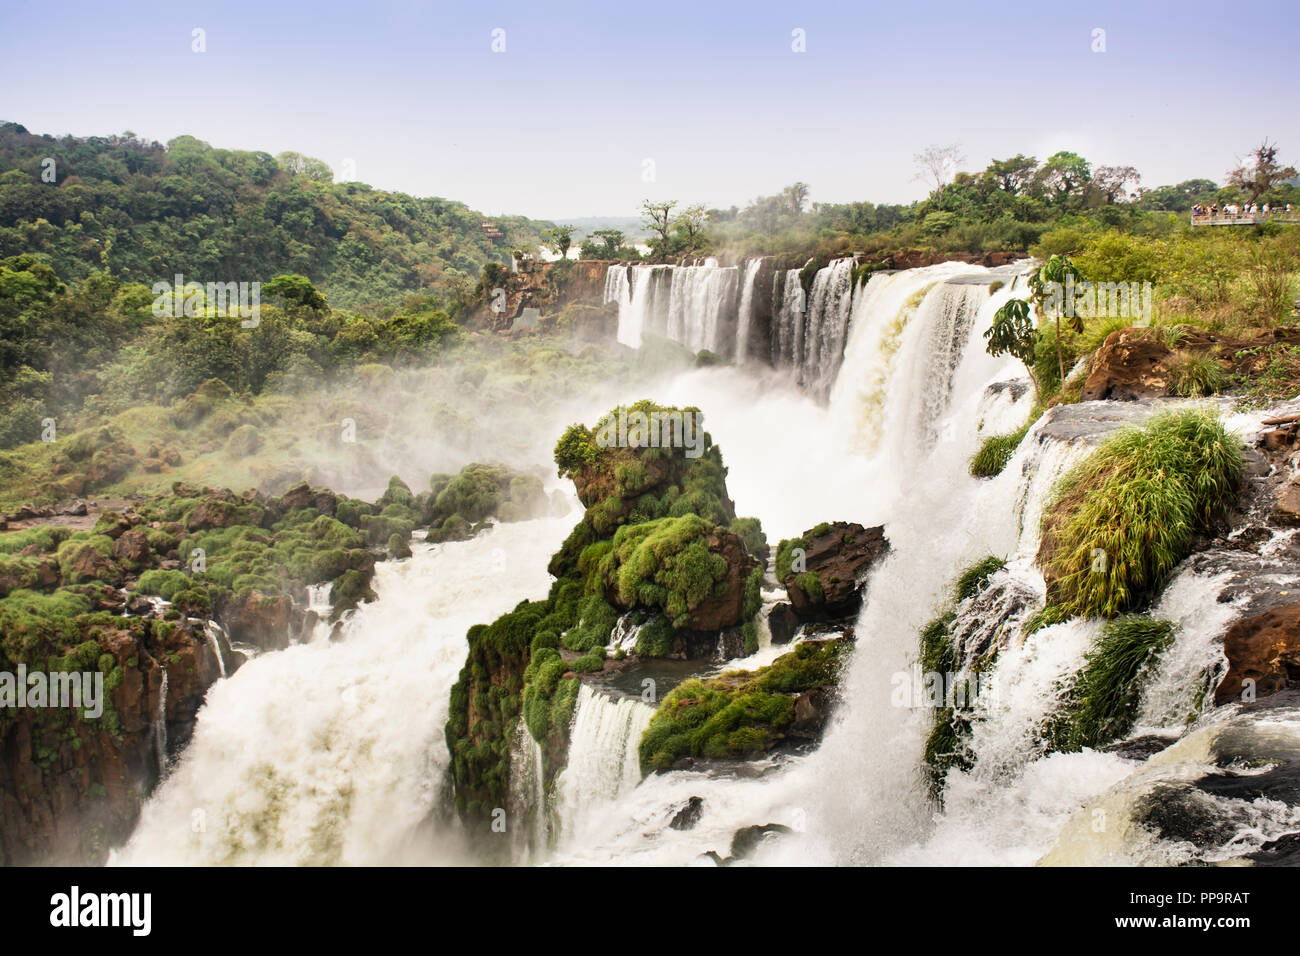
point(333, 752)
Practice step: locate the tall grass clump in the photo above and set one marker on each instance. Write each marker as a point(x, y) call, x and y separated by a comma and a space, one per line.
point(1102, 704)
point(995, 452)
point(1192, 374)
point(1128, 513)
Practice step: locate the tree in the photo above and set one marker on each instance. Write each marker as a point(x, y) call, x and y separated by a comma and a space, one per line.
point(611, 241)
point(796, 195)
point(1010, 175)
point(1013, 331)
point(690, 225)
point(938, 163)
point(658, 218)
point(1266, 173)
point(298, 291)
point(559, 238)
point(1064, 176)
point(1110, 182)
point(296, 164)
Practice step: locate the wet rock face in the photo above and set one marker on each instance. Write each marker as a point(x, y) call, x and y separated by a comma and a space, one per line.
point(70, 789)
point(783, 623)
point(1263, 654)
point(839, 558)
point(261, 620)
point(688, 815)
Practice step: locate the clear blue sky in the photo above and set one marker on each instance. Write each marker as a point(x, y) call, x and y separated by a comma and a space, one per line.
point(560, 123)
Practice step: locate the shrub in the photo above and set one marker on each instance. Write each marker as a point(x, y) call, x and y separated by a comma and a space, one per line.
point(1192, 374)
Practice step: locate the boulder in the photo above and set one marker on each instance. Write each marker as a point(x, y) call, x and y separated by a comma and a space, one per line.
point(783, 623)
point(1264, 648)
point(258, 619)
point(1286, 509)
point(838, 556)
point(132, 549)
point(211, 513)
point(688, 814)
point(1129, 367)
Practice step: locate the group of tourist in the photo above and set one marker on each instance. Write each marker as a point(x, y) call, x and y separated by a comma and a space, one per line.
point(1232, 210)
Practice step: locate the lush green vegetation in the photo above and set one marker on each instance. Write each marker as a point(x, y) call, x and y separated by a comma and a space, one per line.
point(740, 713)
point(1101, 702)
point(1124, 517)
point(1013, 204)
point(643, 542)
point(995, 452)
point(143, 211)
point(941, 658)
point(665, 564)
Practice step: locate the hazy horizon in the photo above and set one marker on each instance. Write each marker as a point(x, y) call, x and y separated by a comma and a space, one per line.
point(561, 123)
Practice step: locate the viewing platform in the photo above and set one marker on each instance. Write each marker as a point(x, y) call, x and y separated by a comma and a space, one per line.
point(1245, 218)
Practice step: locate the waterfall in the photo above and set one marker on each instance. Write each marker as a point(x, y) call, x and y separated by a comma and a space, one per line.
point(642, 293)
point(625, 633)
point(898, 391)
point(745, 321)
point(212, 630)
point(333, 752)
point(826, 326)
point(603, 761)
point(527, 795)
point(702, 307)
point(160, 726)
point(788, 311)
point(695, 305)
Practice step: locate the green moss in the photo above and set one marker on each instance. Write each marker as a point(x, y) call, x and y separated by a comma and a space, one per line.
point(750, 531)
point(740, 713)
point(665, 565)
point(164, 584)
point(596, 620)
point(47, 538)
point(656, 638)
point(785, 556)
point(811, 585)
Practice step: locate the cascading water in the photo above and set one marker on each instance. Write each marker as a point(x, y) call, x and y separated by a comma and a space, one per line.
point(748, 305)
point(333, 752)
point(826, 326)
point(212, 630)
point(160, 726)
point(914, 396)
point(603, 761)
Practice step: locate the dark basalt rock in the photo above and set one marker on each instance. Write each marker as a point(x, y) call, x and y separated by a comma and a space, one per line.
point(783, 623)
point(688, 815)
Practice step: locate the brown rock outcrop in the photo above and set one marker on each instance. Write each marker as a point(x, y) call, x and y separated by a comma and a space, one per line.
point(1264, 648)
point(839, 557)
point(1130, 366)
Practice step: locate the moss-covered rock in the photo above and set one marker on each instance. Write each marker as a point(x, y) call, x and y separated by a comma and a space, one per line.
point(743, 714)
